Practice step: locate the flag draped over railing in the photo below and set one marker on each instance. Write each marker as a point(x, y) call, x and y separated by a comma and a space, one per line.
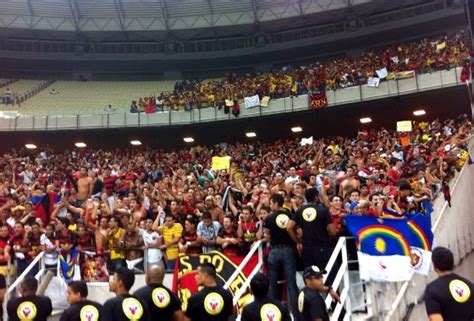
point(70, 268)
point(390, 248)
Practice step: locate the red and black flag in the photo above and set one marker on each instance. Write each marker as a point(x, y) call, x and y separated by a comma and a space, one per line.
point(318, 100)
point(45, 207)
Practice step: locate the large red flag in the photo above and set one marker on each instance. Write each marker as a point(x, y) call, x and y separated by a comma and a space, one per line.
point(45, 207)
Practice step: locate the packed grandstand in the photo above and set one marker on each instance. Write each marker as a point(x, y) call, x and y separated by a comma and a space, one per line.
point(164, 210)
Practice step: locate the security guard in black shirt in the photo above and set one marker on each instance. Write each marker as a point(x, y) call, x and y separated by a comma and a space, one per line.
point(212, 302)
point(80, 308)
point(160, 300)
point(29, 306)
point(124, 307)
point(310, 302)
point(263, 308)
point(449, 297)
point(282, 254)
point(314, 220)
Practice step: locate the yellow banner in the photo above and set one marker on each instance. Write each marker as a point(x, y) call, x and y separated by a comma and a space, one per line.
point(219, 163)
point(264, 102)
point(441, 45)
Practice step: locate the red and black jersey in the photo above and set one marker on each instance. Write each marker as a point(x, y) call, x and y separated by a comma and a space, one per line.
point(191, 237)
point(249, 231)
point(109, 184)
point(65, 237)
point(231, 249)
point(3, 244)
point(86, 241)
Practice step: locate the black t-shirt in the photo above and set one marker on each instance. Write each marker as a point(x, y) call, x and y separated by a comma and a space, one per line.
point(311, 305)
point(3, 286)
point(29, 305)
point(160, 300)
point(125, 308)
point(210, 304)
point(313, 220)
point(83, 311)
point(265, 309)
point(451, 296)
point(277, 223)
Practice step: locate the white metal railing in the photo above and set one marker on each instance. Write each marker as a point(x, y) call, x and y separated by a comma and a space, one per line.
point(405, 285)
point(38, 259)
point(342, 278)
point(257, 246)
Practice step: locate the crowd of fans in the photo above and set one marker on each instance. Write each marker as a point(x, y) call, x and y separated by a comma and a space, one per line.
point(423, 56)
point(115, 205)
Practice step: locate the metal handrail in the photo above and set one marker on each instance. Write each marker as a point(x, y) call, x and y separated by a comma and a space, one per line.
point(244, 262)
point(25, 272)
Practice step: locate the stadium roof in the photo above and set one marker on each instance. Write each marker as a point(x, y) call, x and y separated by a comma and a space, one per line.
point(163, 15)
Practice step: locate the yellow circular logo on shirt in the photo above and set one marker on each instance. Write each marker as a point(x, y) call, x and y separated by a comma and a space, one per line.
point(301, 301)
point(132, 308)
point(161, 297)
point(459, 290)
point(270, 312)
point(282, 221)
point(213, 303)
point(26, 311)
point(309, 214)
point(89, 313)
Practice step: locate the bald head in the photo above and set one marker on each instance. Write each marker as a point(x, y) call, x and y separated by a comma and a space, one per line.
point(155, 275)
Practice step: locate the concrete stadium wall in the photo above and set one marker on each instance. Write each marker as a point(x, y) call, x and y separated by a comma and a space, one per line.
point(455, 231)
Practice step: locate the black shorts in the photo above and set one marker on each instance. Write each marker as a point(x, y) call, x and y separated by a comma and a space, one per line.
point(316, 255)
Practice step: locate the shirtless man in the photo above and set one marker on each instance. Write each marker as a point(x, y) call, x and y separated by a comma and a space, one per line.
point(85, 185)
point(280, 184)
point(133, 243)
point(350, 182)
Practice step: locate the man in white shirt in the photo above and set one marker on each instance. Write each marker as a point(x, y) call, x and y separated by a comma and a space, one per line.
point(207, 231)
point(152, 241)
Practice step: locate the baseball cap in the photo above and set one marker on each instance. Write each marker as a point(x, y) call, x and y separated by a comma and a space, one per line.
point(313, 272)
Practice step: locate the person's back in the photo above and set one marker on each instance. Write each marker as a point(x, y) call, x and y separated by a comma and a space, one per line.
point(212, 302)
point(29, 306)
point(79, 307)
point(160, 300)
point(263, 308)
point(449, 297)
point(124, 306)
point(452, 296)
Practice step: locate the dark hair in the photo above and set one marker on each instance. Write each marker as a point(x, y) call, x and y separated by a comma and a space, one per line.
point(206, 216)
point(443, 259)
point(30, 284)
point(266, 208)
point(259, 285)
point(63, 221)
point(403, 185)
point(248, 208)
point(277, 198)
point(79, 287)
point(311, 194)
point(169, 215)
point(126, 276)
point(209, 269)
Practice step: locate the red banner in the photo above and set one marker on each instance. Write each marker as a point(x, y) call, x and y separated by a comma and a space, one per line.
point(318, 100)
point(184, 282)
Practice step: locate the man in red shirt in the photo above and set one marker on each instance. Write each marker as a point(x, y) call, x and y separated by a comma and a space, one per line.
point(395, 171)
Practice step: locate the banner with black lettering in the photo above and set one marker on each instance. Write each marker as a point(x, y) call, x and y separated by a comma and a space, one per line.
point(318, 100)
point(184, 282)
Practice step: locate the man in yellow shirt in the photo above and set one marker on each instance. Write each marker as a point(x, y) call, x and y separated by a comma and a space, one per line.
point(171, 232)
point(115, 238)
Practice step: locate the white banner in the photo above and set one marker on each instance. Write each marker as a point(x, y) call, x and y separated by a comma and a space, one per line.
point(420, 260)
point(373, 82)
point(306, 141)
point(382, 73)
point(253, 101)
point(388, 268)
point(394, 59)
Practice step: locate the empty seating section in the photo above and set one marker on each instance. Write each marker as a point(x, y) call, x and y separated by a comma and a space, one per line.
point(91, 97)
